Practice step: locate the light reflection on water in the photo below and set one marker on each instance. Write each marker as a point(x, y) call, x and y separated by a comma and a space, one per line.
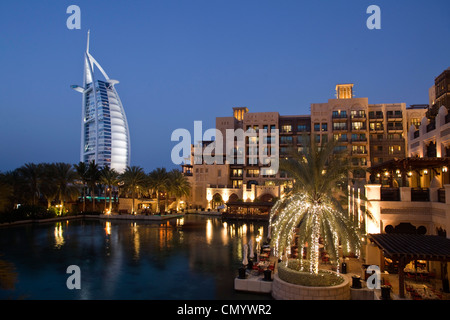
point(193, 257)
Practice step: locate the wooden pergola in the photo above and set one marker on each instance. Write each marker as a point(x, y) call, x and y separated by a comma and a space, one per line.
point(407, 165)
point(409, 247)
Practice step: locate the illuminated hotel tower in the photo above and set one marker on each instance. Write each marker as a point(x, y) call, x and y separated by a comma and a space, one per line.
point(105, 137)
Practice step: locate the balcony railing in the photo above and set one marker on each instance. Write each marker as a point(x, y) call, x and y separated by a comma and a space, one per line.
point(441, 195)
point(339, 116)
point(390, 194)
point(394, 116)
point(420, 194)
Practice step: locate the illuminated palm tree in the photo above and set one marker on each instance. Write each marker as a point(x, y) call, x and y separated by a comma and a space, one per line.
point(133, 178)
point(110, 178)
point(312, 207)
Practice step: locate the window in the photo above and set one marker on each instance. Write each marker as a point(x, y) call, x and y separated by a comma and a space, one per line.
point(339, 126)
point(324, 138)
point(358, 125)
point(339, 149)
point(316, 126)
point(301, 139)
point(324, 127)
point(340, 137)
point(237, 184)
point(252, 173)
point(359, 149)
point(415, 122)
point(339, 114)
point(302, 128)
point(394, 149)
point(286, 140)
point(357, 113)
point(317, 138)
point(286, 128)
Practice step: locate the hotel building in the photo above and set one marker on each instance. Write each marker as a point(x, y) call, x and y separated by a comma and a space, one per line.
point(105, 137)
point(370, 133)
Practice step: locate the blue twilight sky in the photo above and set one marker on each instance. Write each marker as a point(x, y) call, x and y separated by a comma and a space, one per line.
point(179, 61)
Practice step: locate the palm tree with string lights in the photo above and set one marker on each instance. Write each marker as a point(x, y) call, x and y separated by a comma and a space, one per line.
point(312, 209)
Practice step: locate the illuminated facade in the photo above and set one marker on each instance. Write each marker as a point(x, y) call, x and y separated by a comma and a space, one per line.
point(105, 136)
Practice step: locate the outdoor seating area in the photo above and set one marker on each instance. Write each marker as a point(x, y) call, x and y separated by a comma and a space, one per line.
point(417, 291)
point(264, 261)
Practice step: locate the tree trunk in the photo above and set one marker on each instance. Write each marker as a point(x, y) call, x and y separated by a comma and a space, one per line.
point(157, 202)
point(93, 199)
point(84, 198)
point(110, 199)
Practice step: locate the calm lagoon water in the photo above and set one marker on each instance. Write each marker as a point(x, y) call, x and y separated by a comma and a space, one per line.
point(194, 257)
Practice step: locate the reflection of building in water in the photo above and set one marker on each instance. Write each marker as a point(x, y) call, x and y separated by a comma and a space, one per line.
point(221, 236)
point(59, 239)
point(8, 275)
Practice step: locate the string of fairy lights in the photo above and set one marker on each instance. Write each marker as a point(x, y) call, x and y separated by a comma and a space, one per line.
point(309, 220)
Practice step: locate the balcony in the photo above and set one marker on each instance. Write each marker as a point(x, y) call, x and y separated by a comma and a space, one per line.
point(340, 128)
point(377, 129)
point(359, 116)
point(339, 116)
point(396, 128)
point(358, 140)
point(420, 194)
point(359, 128)
point(394, 116)
point(359, 152)
point(376, 116)
point(390, 194)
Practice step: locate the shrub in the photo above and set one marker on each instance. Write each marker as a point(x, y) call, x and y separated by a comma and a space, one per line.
point(298, 273)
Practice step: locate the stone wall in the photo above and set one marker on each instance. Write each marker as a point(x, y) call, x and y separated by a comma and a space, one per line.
point(282, 290)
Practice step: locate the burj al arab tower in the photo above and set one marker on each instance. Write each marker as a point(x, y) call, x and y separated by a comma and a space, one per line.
point(105, 137)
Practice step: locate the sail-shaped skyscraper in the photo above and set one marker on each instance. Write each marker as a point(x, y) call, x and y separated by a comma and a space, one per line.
point(105, 137)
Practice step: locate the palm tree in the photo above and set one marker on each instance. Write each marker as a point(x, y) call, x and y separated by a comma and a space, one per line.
point(81, 169)
point(179, 186)
point(312, 207)
point(49, 189)
point(133, 178)
point(110, 178)
point(31, 174)
point(158, 182)
point(93, 177)
point(6, 192)
point(64, 179)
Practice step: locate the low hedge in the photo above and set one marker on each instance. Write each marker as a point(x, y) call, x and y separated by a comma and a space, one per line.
point(299, 274)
